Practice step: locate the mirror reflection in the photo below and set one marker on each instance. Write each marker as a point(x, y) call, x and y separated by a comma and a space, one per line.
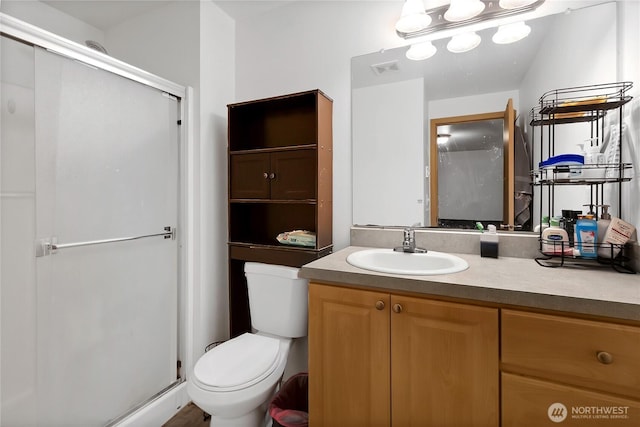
point(468, 147)
point(395, 99)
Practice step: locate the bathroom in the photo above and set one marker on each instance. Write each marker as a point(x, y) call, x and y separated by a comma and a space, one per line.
point(249, 53)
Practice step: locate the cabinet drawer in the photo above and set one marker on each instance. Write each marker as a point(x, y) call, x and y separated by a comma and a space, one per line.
point(599, 355)
point(531, 402)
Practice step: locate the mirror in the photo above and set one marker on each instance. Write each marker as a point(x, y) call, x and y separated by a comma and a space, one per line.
point(395, 99)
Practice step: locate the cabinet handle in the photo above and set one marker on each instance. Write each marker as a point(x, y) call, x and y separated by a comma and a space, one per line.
point(272, 175)
point(380, 305)
point(604, 357)
point(397, 308)
point(265, 175)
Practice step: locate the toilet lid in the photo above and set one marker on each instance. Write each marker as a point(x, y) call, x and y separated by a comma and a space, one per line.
point(239, 362)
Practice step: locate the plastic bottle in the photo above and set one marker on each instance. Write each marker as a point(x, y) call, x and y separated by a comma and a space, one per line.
point(593, 160)
point(604, 249)
point(587, 237)
point(555, 240)
point(543, 225)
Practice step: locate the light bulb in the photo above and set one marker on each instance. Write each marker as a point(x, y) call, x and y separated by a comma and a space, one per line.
point(420, 51)
point(460, 10)
point(463, 42)
point(413, 17)
point(511, 33)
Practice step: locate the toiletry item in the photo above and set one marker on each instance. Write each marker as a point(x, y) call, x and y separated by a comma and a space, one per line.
point(618, 233)
point(564, 166)
point(604, 249)
point(543, 225)
point(555, 240)
point(569, 218)
point(489, 242)
point(593, 160)
point(586, 237)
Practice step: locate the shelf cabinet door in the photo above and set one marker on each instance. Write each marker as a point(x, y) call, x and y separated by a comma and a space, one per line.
point(294, 175)
point(444, 364)
point(249, 176)
point(349, 368)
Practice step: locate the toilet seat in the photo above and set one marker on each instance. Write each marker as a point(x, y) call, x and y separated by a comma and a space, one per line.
point(238, 363)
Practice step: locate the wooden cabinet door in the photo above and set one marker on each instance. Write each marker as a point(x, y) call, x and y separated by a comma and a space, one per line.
point(533, 402)
point(348, 357)
point(444, 364)
point(249, 175)
point(294, 175)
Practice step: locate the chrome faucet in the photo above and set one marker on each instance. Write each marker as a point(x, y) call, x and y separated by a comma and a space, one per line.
point(409, 243)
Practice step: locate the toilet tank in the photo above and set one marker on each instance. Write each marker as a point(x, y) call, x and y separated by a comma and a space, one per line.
point(278, 299)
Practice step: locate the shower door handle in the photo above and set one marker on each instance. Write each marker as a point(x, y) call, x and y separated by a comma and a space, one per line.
point(46, 247)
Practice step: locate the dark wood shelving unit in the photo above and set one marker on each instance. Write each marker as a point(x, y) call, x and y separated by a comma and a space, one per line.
point(280, 155)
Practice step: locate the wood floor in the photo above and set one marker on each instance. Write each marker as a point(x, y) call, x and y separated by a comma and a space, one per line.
point(189, 416)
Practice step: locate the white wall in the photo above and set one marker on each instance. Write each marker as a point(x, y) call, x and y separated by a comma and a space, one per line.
point(387, 123)
point(306, 45)
point(48, 18)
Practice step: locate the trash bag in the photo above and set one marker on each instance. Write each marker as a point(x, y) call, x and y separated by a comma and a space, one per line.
point(290, 406)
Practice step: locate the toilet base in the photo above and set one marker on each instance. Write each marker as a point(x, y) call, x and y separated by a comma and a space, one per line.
point(256, 418)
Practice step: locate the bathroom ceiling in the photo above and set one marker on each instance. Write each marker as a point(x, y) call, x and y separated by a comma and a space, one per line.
point(105, 14)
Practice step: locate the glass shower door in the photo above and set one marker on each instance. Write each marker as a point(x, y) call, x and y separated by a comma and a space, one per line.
point(107, 299)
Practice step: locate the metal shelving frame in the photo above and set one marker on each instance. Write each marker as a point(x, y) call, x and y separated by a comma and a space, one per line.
point(579, 104)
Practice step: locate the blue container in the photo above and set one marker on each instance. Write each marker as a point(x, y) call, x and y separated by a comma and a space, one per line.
point(586, 238)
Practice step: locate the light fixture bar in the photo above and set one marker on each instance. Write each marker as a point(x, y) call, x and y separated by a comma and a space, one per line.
point(491, 11)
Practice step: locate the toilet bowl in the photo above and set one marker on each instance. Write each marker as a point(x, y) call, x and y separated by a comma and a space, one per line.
point(235, 381)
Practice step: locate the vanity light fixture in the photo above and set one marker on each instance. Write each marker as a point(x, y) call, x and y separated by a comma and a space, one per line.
point(511, 33)
point(420, 51)
point(447, 19)
point(463, 42)
point(514, 4)
point(461, 10)
point(413, 17)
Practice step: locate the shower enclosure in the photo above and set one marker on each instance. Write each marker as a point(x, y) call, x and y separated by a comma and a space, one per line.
point(90, 242)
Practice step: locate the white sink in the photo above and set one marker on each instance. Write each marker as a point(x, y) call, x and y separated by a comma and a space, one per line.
point(418, 264)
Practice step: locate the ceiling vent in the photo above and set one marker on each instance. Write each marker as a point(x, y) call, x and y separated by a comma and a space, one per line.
point(385, 67)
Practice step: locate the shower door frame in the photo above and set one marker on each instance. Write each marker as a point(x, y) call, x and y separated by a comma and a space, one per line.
point(163, 405)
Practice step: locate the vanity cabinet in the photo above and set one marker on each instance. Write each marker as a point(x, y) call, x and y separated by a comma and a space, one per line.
point(381, 359)
point(280, 155)
point(590, 367)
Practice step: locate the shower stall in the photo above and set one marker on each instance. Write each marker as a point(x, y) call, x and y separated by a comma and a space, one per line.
point(91, 174)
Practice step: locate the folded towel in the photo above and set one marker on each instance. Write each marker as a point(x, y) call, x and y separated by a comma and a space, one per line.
point(298, 238)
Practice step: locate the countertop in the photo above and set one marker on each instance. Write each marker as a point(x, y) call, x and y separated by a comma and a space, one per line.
point(512, 281)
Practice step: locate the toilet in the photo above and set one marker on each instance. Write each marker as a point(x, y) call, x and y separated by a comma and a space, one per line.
point(236, 380)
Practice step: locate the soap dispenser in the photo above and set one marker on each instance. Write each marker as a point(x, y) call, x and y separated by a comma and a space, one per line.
point(489, 242)
point(604, 250)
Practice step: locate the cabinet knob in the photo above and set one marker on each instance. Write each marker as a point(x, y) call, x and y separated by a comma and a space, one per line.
point(397, 308)
point(380, 305)
point(272, 175)
point(265, 175)
point(604, 357)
